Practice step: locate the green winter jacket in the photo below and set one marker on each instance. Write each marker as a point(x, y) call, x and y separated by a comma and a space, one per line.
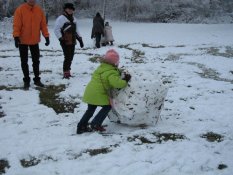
point(104, 78)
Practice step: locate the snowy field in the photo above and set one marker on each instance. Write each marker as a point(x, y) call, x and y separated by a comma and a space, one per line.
point(193, 137)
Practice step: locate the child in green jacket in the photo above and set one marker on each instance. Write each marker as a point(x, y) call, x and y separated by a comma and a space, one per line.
point(105, 77)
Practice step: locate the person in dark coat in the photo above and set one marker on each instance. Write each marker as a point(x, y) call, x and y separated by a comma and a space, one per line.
point(97, 29)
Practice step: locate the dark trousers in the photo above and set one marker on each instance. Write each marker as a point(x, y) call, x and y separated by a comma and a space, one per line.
point(97, 38)
point(68, 51)
point(99, 118)
point(35, 53)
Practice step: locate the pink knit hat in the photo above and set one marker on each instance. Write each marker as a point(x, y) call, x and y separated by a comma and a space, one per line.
point(111, 57)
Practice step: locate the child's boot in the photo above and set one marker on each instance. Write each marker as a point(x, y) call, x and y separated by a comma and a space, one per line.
point(66, 74)
point(98, 128)
point(82, 129)
point(26, 83)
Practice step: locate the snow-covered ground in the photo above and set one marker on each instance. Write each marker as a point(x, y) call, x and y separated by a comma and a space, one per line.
point(194, 135)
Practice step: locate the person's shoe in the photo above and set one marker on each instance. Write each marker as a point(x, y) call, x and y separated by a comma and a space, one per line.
point(38, 83)
point(66, 75)
point(98, 128)
point(26, 85)
point(83, 129)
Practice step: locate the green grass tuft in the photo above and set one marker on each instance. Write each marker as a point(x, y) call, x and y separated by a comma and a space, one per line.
point(49, 97)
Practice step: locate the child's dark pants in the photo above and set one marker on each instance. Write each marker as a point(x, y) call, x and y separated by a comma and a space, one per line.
point(99, 118)
point(68, 51)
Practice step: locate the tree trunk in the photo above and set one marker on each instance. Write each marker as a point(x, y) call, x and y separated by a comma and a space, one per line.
point(128, 7)
point(104, 9)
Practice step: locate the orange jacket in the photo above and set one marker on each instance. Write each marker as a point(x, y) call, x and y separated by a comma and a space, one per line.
point(28, 22)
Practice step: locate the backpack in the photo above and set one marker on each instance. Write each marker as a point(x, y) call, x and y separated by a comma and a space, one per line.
point(69, 32)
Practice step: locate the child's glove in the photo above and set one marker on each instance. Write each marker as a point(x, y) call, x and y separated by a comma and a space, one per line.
point(127, 77)
point(79, 38)
point(61, 40)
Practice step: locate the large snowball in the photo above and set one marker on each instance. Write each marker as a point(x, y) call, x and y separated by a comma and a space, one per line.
point(141, 102)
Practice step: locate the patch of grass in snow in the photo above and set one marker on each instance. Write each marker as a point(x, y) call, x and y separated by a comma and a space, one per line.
point(209, 73)
point(49, 97)
point(91, 152)
point(2, 114)
point(126, 46)
point(212, 137)
point(87, 48)
point(6, 56)
point(3, 165)
point(159, 138)
point(46, 71)
point(49, 50)
point(180, 46)
point(222, 166)
point(33, 161)
point(94, 152)
point(95, 59)
point(137, 56)
point(173, 57)
point(166, 79)
point(8, 50)
point(215, 51)
point(142, 139)
point(159, 46)
point(155, 47)
point(229, 52)
point(9, 88)
point(169, 137)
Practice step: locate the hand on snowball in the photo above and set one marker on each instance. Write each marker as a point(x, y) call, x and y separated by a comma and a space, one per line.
point(127, 77)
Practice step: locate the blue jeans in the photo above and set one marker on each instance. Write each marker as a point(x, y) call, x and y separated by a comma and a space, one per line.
point(99, 118)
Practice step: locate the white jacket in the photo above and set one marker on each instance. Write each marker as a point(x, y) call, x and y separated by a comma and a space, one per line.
point(108, 34)
point(60, 21)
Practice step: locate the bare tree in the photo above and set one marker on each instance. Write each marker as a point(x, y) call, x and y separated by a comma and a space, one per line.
point(104, 9)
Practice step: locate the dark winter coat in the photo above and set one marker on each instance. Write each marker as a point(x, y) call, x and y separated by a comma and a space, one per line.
point(98, 26)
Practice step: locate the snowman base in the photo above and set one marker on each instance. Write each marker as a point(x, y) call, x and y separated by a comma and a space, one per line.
point(139, 104)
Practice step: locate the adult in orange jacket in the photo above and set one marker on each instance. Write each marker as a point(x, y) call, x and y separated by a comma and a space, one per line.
point(29, 21)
